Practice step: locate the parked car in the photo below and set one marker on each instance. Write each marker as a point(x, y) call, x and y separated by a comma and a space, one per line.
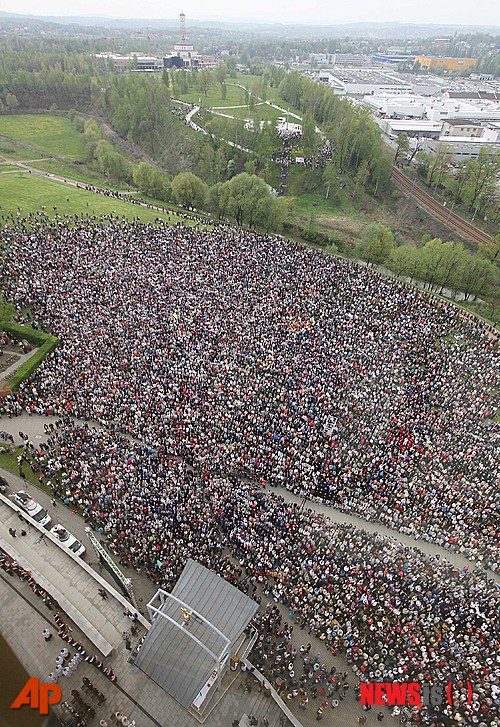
point(32, 508)
point(69, 541)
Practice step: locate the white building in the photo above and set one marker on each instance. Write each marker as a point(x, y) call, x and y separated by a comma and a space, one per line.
point(363, 81)
point(435, 109)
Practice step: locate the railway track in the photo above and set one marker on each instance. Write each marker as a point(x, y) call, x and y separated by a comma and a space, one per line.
point(466, 229)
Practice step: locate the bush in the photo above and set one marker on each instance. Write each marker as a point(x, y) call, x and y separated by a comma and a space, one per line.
point(45, 343)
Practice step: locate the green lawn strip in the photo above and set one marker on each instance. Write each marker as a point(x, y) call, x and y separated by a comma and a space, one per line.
point(8, 461)
point(44, 132)
point(262, 111)
point(17, 151)
point(9, 168)
point(28, 367)
point(45, 344)
point(31, 192)
point(234, 96)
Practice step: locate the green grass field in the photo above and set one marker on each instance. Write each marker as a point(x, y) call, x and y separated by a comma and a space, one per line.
point(80, 173)
point(235, 96)
point(50, 135)
point(8, 461)
point(261, 110)
point(18, 151)
point(31, 193)
point(8, 168)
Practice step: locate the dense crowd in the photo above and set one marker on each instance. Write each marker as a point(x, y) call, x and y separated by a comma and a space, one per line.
point(392, 612)
point(220, 363)
point(243, 353)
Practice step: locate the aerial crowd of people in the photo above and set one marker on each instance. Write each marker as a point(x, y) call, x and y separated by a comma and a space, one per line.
point(199, 372)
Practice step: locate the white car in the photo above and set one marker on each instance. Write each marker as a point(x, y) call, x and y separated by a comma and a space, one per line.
point(32, 508)
point(69, 541)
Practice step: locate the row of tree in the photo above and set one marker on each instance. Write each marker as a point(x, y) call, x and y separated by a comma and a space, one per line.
point(472, 183)
point(245, 198)
point(438, 265)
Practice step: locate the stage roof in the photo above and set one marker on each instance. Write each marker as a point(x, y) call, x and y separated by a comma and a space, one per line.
point(176, 662)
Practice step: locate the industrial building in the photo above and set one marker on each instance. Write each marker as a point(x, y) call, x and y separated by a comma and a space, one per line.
point(363, 81)
point(374, 81)
point(131, 62)
point(434, 109)
point(391, 58)
point(463, 148)
point(412, 127)
point(443, 63)
point(338, 59)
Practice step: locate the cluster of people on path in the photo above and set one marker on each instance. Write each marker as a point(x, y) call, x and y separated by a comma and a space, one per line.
point(124, 197)
point(221, 364)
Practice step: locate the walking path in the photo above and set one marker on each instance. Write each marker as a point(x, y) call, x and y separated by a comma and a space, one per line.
point(459, 560)
point(33, 426)
point(189, 121)
point(21, 358)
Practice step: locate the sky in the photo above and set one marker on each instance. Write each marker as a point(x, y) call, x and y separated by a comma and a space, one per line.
point(312, 12)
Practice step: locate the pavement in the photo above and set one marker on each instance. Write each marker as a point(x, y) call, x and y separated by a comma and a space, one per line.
point(20, 359)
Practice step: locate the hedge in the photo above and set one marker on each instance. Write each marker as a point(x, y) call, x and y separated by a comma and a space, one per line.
point(45, 343)
point(21, 333)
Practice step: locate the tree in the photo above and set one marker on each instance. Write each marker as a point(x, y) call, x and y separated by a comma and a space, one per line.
point(204, 78)
point(114, 165)
point(250, 165)
point(249, 200)
point(361, 178)
point(477, 275)
point(490, 251)
point(332, 180)
point(11, 102)
point(440, 162)
point(189, 190)
point(310, 142)
point(221, 72)
point(218, 199)
point(151, 182)
point(440, 263)
point(482, 173)
point(375, 244)
point(404, 261)
point(403, 145)
point(272, 213)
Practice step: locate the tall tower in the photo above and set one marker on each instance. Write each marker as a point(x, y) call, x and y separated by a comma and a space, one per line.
point(182, 23)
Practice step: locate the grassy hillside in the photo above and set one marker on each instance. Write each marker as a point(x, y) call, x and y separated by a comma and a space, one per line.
point(50, 135)
point(30, 193)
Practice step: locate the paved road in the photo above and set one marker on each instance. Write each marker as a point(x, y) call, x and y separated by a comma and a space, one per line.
point(336, 516)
